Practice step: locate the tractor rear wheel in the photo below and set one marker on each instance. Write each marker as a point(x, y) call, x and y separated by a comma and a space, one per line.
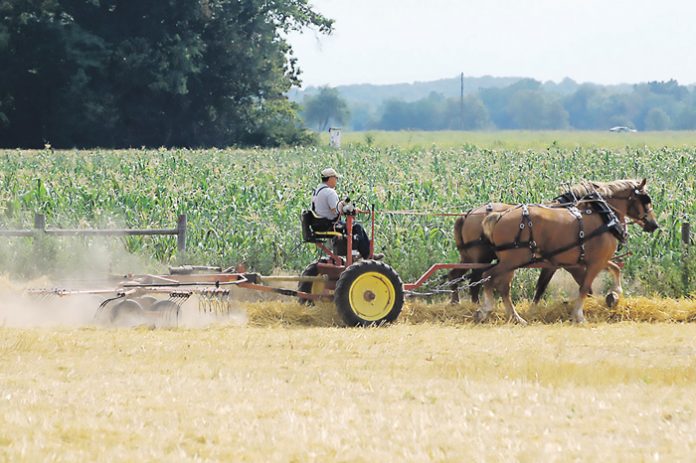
point(369, 293)
point(311, 287)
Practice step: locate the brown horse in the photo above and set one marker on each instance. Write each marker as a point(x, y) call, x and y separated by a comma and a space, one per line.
point(564, 237)
point(473, 247)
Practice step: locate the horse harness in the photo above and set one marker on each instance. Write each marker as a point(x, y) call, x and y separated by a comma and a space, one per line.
point(610, 223)
point(644, 199)
point(482, 240)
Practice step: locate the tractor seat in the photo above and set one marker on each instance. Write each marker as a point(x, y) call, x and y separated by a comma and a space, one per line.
point(321, 235)
point(311, 236)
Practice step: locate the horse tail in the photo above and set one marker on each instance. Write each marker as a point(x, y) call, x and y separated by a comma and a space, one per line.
point(458, 226)
point(489, 223)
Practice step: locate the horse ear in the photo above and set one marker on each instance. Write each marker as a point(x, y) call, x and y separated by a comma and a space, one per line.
point(642, 184)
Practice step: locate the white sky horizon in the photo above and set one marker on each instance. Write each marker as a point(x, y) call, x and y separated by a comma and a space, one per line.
point(405, 41)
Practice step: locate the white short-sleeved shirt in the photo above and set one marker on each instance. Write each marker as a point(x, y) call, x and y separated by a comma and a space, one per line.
point(324, 201)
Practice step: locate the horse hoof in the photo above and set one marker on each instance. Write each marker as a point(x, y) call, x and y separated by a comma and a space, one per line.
point(612, 299)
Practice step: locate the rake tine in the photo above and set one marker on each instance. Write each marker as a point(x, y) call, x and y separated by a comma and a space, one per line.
point(104, 303)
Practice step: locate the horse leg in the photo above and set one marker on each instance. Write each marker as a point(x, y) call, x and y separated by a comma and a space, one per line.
point(475, 290)
point(592, 271)
point(543, 282)
point(492, 275)
point(503, 284)
point(578, 274)
point(488, 305)
point(455, 274)
point(613, 297)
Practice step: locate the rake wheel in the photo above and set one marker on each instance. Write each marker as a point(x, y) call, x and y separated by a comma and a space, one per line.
point(126, 313)
point(169, 311)
point(146, 302)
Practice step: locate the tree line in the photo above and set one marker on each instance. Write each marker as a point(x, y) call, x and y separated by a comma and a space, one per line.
point(526, 104)
point(125, 73)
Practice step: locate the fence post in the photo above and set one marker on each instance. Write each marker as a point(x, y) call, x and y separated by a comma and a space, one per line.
point(181, 234)
point(686, 233)
point(39, 222)
point(39, 236)
point(686, 243)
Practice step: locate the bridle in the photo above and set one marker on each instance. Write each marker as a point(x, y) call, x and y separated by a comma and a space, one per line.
point(644, 198)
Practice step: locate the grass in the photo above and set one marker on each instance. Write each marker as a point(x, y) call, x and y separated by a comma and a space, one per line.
point(519, 139)
point(410, 392)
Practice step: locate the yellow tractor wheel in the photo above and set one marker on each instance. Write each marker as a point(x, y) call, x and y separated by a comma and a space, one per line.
point(369, 293)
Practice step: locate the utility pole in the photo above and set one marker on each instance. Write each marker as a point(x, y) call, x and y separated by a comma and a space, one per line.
point(461, 103)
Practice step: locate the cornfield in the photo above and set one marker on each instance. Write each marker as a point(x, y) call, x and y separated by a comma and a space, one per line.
point(244, 205)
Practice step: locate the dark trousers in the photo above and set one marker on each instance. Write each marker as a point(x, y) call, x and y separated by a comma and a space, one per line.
point(361, 242)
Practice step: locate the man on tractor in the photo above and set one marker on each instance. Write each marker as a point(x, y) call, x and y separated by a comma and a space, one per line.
point(327, 210)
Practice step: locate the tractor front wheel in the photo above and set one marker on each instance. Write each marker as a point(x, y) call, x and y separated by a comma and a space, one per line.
point(369, 293)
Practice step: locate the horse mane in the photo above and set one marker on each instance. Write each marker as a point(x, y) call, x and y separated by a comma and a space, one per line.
point(605, 189)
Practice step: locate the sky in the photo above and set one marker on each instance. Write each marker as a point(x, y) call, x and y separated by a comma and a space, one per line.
point(396, 41)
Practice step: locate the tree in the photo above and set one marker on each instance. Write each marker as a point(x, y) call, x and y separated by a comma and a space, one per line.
point(171, 72)
point(579, 105)
point(327, 106)
point(532, 109)
point(686, 120)
point(497, 100)
point(361, 117)
point(396, 115)
point(671, 88)
point(472, 115)
point(657, 119)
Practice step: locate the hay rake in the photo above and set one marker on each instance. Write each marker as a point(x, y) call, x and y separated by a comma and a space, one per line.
point(156, 300)
point(215, 302)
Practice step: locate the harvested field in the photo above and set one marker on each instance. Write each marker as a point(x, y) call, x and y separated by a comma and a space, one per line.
point(289, 385)
point(410, 392)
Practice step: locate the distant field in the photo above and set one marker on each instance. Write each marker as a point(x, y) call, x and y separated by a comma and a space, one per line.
point(621, 392)
point(520, 139)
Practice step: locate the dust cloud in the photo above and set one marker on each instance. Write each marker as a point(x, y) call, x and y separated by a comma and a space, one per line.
point(80, 266)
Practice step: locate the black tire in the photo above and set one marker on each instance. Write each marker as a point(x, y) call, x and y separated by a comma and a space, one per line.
point(369, 293)
point(307, 286)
